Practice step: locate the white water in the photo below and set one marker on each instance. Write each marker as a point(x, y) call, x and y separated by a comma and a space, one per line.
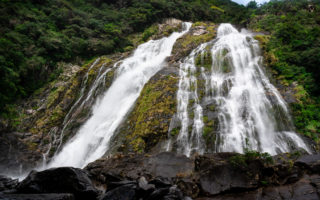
point(92, 139)
point(250, 111)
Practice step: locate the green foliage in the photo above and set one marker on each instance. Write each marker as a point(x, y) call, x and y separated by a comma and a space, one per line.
point(112, 29)
point(204, 60)
point(241, 160)
point(175, 132)
point(295, 46)
point(264, 183)
point(35, 35)
point(149, 32)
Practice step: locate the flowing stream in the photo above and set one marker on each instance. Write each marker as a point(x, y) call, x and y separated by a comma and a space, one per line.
point(92, 139)
point(247, 112)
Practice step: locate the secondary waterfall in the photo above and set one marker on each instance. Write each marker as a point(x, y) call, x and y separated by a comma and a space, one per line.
point(92, 139)
point(244, 110)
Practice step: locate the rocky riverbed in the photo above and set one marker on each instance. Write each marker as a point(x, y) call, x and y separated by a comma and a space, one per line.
point(170, 176)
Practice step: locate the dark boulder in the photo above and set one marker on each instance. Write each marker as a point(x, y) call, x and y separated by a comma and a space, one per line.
point(7, 183)
point(124, 192)
point(64, 196)
point(59, 180)
point(144, 185)
point(15, 155)
point(218, 175)
point(171, 193)
point(310, 162)
point(169, 165)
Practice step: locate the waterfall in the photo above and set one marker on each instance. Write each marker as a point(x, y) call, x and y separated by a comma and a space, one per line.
point(247, 112)
point(92, 139)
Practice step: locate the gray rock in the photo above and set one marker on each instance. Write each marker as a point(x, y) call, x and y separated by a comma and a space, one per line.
point(7, 183)
point(125, 192)
point(59, 180)
point(64, 196)
point(143, 184)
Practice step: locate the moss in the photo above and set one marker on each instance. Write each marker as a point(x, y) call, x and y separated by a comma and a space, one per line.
point(54, 95)
point(57, 115)
point(174, 132)
point(152, 30)
point(188, 42)
point(191, 115)
point(92, 74)
point(270, 58)
point(32, 146)
point(61, 98)
point(129, 48)
point(241, 160)
point(149, 121)
point(300, 93)
point(263, 40)
point(170, 29)
point(52, 151)
point(224, 52)
point(201, 88)
point(217, 8)
point(199, 24)
point(212, 107)
point(205, 119)
point(207, 131)
point(204, 60)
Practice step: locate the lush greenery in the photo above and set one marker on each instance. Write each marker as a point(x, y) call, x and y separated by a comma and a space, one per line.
point(36, 34)
point(294, 51)
point(241, 160)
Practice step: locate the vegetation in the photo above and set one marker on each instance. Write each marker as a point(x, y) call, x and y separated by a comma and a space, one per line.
point(241, 160)
point(150, 119)
point(293, 52)
point(35, 35)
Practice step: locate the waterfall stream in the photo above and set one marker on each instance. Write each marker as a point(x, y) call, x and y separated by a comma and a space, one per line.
point(92, 139)
point(245, 111)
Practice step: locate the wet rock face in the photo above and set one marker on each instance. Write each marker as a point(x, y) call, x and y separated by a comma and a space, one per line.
point(148, 122)
point(218, 175)
point(214, 176)
point(302, 190)
point(15, 154)
point(200, 32)
point(165, 165)
point(7, 183)
point(59, 180)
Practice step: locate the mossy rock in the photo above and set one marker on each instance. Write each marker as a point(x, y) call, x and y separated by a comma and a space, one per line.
point(174, 132)
point(154, 32)
point(189, 41)
point(263, 40)
point(204, 60)
point(58, 99)
point(148, 123)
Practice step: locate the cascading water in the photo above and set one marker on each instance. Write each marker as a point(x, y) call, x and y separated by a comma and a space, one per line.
point(247, 111)
point(91, 141)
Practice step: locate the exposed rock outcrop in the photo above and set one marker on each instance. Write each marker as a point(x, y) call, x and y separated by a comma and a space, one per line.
point(59, 180)
point(148, 122)
point(170, 176)
point(199, 33)
point(216, 176)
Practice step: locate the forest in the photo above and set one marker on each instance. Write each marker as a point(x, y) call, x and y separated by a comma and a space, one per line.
point(37, 34)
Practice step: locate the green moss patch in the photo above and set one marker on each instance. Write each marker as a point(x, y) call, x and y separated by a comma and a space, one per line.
point(149, 121)
point(204, 60)
point(188, 42)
